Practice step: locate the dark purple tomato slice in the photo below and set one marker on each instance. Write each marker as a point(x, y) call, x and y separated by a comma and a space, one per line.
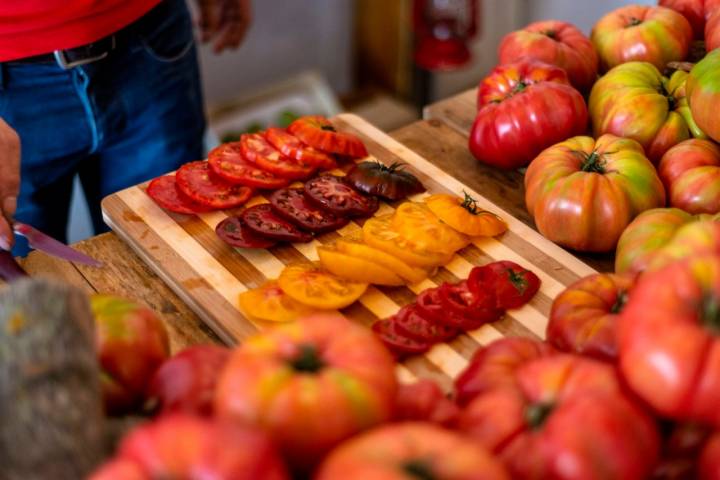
point(412, 324)
point(163, 190)
point(291, 204)
point(235, 233)
point(399, 345)
point(262, 220)
point(467, 311)
point(333, 194)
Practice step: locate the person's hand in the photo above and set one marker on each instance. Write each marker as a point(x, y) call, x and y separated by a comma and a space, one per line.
point(9, 181)
point(224, 22)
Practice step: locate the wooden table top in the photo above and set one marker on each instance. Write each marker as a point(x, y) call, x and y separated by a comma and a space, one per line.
point(126, 275)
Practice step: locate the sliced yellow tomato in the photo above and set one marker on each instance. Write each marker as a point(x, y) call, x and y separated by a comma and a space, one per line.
point(320, 288)
point(355, 268)
point(465, 216)
point(270, 303)
point(356, 247)
point(379, 232)
point(417, 222)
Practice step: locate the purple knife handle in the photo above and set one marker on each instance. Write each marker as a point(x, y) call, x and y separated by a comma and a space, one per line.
point(9, 268)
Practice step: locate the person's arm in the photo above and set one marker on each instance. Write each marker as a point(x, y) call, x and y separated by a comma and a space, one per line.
point(224, 22)
point(9, 181)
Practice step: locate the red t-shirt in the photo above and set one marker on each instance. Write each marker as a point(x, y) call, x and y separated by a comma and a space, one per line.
point(34, 27)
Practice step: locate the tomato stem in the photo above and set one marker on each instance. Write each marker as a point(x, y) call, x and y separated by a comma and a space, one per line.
point(633, 22)
point(710, 313)
point(620, 302)
point(593, 163)
point(307, 360)
point(550, 33)
point(328, 128)
point(537, 414)
point(518, 280)
point(418, 469)
point(519, 87)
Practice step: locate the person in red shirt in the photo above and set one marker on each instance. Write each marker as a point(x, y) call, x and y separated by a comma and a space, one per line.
point(105, 89)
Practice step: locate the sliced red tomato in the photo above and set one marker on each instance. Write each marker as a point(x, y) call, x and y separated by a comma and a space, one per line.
point(332, 193)
point(429, 305)
point(196, 181)
point(399, 345)
point(257, 149)
point(319, 133)
point(235, 233)
point(513, 285)
point(262, 220)
point(411, 323)
point(288, 144)
point(291, 204)
point(164, 191)
point(227, 162)
point(467, 310)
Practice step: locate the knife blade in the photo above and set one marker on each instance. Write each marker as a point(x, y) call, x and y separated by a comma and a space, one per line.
point(40, 241)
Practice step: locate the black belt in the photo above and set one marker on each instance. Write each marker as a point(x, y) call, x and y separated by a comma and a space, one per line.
point(73, 57)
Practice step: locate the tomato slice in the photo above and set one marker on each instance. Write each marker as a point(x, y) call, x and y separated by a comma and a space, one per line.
point(235, 233)
point(429, 305)
point(163, 190)
point(263, 221)
point(227, 162)
point(379, 232)
point(465, 216)
point(257, 149)
point(357, 269)
point(313, 286)
point(399, 345)
point(416, 221)
point(468, 311)
point(270, 303)
point(319, 133)
point(357, 248)
point(513, 285)
point(288, 144)
point(196, 181)
point(291, 204)
point(332, 193)
point(413, 324)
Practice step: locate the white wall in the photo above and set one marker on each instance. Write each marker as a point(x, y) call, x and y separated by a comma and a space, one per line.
point(582, 13)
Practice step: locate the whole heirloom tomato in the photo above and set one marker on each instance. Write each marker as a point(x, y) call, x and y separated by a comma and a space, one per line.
point(709, 464)
point(411, 450)
point(661, 232)
point(524, 107)
point(584, 316)
point(557, 43)
point(634, 100)
point(567, 418)
point(582, 193)
point(691, 173)
point(692, 10)
point(668, 339)
point(712, 28)
point(641, 33)
point(703, 91)
point(310, 384)
point(183, 446)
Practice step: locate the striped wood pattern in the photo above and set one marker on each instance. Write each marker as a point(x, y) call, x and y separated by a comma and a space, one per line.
point(208, 275)
point(457, 111)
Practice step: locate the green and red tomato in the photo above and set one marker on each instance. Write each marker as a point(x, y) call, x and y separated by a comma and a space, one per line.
point(690, 172)
point(523, 108)
point(692, 10)
point(703, 90)
point(582, 193)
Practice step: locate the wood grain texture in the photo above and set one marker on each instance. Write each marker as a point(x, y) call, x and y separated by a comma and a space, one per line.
point(208, 275)
point(457, 111)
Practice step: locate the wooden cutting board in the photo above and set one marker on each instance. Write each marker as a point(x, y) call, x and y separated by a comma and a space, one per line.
point(457, 111)
point(209, 275)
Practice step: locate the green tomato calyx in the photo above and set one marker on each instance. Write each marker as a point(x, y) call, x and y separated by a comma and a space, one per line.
point(419, 469)
point(307, 360)
point(593, 163)
point(633, 22)
point(550, 33)
point(536, 414)
point(710, 313)
point(620, 302)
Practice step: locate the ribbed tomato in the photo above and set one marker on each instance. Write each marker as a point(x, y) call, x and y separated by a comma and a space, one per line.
point(310, 384)
point(703, 89)
point(524, 107)
point(692, 10)
point(582, 193)
point(557, 43)
point(691, 173)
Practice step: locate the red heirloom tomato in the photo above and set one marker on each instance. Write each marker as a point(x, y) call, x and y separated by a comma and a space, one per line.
point(664, 233)
point(710, 459)
point(641, 33)
point(293, 147)
point(164, 191)
point(668, 339)
point(185, 446)
point(584, 316)
point(514, 286)
point(712, 29)
point(567, 418)
point(582, 193)
point(424, 401)
point(703, 90)
point(634, 100)
point(256, 149)
point(187, 380)
point(227, 162)
point(691, 173)
point(310, 384)
point(196, 181)
point(495, 364)
point(318, 132)
point(410, 451)
point(524, 107)
point(692, 10)
point(557, 43)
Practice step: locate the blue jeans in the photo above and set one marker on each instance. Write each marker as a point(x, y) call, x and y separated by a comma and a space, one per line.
point(117, 122)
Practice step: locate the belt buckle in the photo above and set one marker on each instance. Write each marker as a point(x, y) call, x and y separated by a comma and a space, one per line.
point(62, 60)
